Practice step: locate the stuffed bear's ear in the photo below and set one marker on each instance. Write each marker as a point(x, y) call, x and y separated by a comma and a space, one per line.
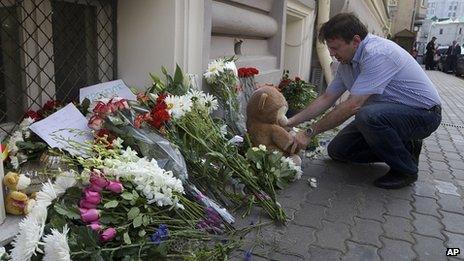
point(262, 100)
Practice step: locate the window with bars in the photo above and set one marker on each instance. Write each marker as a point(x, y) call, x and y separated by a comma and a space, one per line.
point(49, 50)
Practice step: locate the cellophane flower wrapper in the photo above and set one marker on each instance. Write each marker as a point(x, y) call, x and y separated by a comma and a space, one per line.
point(153, 145)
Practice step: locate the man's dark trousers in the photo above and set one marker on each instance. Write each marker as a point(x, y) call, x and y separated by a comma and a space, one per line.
point(384, 132)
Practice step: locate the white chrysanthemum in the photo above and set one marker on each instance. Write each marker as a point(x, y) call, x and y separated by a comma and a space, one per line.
point(210, 102)
point(47, 194)
point(27, 240)
point(56, 246)
point(178, 106)
point(214, 68)
point(262, 147)
point(23, 182)
point(63, 182)
point(24, 125)
point(15, 137)
point(31, 227)
point(14, 162)
point(156, 184)
point(195, 96)
point(231, 66)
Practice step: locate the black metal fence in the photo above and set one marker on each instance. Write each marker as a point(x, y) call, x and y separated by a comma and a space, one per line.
point(50, 49)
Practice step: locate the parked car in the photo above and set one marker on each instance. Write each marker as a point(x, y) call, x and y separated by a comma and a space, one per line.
point(441, 63)
point(460, 64)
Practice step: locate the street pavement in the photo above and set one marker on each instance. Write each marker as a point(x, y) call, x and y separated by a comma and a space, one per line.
point(346, 218)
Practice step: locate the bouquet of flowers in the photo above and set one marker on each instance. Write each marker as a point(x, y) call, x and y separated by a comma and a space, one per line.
point(297, 92)
point(272, 167)
point(23, 145)
point(120, 206)
point(221, 77)
point(125, 122)
point(246, 76)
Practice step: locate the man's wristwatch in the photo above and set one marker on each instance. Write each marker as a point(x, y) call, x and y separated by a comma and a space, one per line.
point(309, 132)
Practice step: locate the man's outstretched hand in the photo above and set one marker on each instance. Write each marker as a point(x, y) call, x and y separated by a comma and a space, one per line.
point(300, 142)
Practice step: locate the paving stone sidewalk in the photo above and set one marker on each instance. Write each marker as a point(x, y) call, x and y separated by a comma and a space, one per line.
point(346, 218)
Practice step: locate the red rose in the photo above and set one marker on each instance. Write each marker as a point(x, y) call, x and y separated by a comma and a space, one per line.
point(96, 122)
point(284, 83)
point(297, 79)
point(101, 108)
point(32, 114)
point(51, 105)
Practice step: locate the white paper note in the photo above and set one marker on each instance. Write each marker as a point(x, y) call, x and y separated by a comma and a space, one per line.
point(111, 89)
point(62, 127)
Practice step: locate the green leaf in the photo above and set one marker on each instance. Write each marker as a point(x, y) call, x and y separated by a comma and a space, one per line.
point(135, 195)
point(146, 220)
point(57, 221)
point(133, 213)
point(142, 232)
point(87, 239)
point(164, 70)
point(137, 221)
point(127, 239)
point(70, 213)
point(111, 204)
point(178, 75)
point(127, 195)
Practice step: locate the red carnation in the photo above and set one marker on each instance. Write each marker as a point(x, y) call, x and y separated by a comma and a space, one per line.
point(159, 118)
point(247, 72)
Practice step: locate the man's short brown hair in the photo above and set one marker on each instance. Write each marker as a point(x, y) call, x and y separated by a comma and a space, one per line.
point(343, 26)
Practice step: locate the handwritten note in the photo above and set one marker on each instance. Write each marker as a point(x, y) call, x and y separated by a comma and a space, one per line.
point(107, 90)
point(64, 129)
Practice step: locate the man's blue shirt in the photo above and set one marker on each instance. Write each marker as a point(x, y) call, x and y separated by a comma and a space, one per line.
point(382, 68)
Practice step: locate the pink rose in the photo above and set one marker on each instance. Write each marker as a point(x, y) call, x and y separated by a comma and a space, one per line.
point(95, 226)
point(98, 180)
point(115, 186)
point(120, 103)
point(86, 205)
point(96, 122)
point(92, 197)
point(100, 108)
point(89, 215)
point(108, 234)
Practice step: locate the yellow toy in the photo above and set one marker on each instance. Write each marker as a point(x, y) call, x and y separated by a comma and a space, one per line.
point(17, 202)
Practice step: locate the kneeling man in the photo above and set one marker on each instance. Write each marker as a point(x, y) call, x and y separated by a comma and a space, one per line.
point(394, 102)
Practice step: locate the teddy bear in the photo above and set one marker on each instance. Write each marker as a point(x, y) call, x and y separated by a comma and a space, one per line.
point(266, 111)
point(17, 202)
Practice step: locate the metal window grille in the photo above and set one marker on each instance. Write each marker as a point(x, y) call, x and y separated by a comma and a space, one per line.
point(51, 48)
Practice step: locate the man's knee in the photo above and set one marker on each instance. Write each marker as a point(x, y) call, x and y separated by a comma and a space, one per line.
point(364, 116)
point(334, 150)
